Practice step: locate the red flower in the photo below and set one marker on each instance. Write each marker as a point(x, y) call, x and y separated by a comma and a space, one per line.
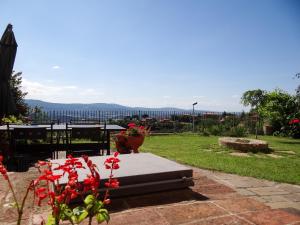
point(116, 166)
point(294, 121)
point(131, 125)
point(3, 171)
point(113, 183)
point(1, 158)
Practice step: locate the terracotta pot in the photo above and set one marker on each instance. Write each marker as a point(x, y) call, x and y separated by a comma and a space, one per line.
point(122, 144)
point(135, 142)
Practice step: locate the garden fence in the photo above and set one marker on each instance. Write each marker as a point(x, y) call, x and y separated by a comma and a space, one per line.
point(159, 121)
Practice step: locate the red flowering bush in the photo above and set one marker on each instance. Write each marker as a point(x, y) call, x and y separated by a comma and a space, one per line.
point(294, 121)
point(295, 128)
point(47, 187)
point(131, 139)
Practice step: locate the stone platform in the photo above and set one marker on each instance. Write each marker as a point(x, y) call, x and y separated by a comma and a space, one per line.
point(138, 174)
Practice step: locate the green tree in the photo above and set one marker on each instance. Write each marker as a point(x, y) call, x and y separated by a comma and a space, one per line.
point(279, 108)
point(254, 98)
point(276, 107)
point(18, 94)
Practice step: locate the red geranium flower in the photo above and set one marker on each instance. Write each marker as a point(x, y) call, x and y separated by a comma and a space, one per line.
point(294, 121)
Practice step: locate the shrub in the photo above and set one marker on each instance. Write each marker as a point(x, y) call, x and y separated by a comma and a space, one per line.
point(238, 131)
point(216, 130)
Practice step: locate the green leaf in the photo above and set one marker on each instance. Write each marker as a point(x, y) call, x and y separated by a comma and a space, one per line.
point(50, 220)
point(89, 199)
point(65, 212)
point(97, 206)
point(80, 214)
point(101, 204)
point(103, 216)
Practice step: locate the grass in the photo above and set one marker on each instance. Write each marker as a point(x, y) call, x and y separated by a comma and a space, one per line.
point(204, 152)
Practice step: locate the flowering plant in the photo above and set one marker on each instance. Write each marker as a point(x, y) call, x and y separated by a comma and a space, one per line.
point(131, 139)
point(294, 121)
point(134, 130)
point(47, 186)
point(295, 127)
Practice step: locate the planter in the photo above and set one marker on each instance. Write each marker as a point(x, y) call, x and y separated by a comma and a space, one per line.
point(135, 142)
point(122, 144)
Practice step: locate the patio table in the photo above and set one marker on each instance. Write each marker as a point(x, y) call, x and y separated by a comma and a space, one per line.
point(62, 127)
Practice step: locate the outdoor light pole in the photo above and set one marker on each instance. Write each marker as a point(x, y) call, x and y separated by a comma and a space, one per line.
point(194, 116)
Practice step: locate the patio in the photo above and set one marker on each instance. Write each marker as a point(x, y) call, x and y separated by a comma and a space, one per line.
point(216, 198)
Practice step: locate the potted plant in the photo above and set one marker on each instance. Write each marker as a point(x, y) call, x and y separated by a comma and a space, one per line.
point(131, 139)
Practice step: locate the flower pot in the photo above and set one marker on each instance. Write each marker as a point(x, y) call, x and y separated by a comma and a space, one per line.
point(122, 144)
point(135, 142)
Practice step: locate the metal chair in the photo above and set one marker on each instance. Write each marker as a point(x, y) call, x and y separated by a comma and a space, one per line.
point(31, 144)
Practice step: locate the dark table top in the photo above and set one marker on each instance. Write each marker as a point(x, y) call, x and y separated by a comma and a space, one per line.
point(61, 127)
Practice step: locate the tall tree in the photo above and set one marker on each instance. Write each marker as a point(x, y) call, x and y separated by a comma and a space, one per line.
point(254, 98)
point(18, 94)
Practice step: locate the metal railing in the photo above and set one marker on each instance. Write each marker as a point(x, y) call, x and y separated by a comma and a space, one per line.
point(165, 121)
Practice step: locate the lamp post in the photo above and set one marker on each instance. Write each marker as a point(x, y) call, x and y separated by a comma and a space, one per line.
point(194, 116)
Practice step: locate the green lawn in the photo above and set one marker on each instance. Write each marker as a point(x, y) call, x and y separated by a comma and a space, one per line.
point(204, 152)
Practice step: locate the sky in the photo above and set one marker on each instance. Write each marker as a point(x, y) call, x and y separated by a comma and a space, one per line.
point(155, 53)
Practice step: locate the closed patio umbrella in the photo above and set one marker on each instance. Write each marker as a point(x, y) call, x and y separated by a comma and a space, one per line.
point(8, 50)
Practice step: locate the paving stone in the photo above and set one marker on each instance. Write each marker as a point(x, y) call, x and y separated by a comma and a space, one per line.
point(282, 205)
point(245, 192)
point(268, 191)
point(189, 212)
point(275, 198)
point(293, 197)
point(223, 220)
point(289, 187)
point(212, 189)
point(292, 211)
point(258, 198)
point(138, 217)
point(38, 219)
point(271, 217)
point(247, 183)
point(202, 180)
point(241, 205)
point(220, 196)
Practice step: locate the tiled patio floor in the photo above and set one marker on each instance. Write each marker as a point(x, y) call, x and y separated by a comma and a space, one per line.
point(210, 201)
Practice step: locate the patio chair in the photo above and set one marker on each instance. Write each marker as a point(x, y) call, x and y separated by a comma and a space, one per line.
point(31, 144)
point(83, 140)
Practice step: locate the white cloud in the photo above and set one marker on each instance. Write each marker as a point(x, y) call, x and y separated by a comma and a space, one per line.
point(235, 96)
point(198, 96)
point(55, 67)
point(60, 93)
point(69, 93)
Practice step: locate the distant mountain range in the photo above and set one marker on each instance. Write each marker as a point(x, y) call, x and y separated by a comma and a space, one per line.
point(49, 106)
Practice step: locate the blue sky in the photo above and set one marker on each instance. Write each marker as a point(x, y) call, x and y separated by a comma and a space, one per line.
point(155, 53)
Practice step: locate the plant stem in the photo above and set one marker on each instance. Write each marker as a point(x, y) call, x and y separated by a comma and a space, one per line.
point(90, 220)
point(13, 192)
point(20, 211)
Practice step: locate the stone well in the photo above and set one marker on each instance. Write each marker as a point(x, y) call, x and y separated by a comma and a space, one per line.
point(244, 144)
